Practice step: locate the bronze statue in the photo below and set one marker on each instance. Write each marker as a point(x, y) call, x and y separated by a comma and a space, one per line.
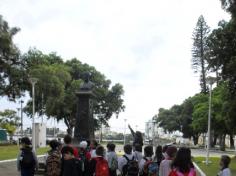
point(87, 84)
point(137, 137)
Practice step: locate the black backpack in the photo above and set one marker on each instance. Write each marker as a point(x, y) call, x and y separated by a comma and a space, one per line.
point(131, 168)
point(27, 160)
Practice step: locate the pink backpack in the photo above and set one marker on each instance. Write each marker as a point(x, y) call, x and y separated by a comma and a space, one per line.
point(192, 172)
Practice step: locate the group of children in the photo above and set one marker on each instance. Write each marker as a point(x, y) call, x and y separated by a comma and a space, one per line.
point(91, 159)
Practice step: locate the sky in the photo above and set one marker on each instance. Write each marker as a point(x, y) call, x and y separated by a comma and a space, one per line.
point(143, 45)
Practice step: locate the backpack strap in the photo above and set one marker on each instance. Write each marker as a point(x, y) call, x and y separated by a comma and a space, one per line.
point(128, 160)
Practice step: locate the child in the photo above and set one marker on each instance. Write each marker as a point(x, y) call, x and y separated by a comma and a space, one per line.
point(182, 164)
point(98, 165)
point(26, 161)
point(147, 166)
point(71, 166)
point(165, 166)
point(224, 164)
point(93, 146)
point(127, 163)
point(53, 161)
point(112, 159)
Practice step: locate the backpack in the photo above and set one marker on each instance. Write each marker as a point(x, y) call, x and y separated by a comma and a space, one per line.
point(131, 168)
point(77, 167)
point(114, 164)
point(53, 163)
point(150, 168)
point(174, 172)
point(27, 160)
point(84, 160)
point(101, 167)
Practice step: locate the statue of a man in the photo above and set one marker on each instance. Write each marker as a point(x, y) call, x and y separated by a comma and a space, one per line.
point(87, 85)
point(137, 137)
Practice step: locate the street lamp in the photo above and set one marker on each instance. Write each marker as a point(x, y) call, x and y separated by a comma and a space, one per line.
point(21, 118)
point(33, 81)
point(210, 81)
point(124, 130)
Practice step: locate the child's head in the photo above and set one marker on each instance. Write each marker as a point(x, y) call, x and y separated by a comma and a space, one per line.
point(83, 145)
point(25, 141)
point(54, 144)
point(93, 144)
point(67, 139)
point(158, 150)
point(225, 161)
point(171, 151)
point(100, 150)
point(148, 151)
point(111, 147)
point(128, 149)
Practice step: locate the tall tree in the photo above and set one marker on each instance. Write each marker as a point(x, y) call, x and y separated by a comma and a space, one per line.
point(199, 50)
point(230, 6)
point(59, 89)
point(9, 121)
point(11, 69)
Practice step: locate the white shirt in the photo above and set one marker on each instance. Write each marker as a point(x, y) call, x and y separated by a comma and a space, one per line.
point(224, 172)
point(138, 156)
point(110, 156)
point(142, 162)
point(123, 161)
point(165, 167)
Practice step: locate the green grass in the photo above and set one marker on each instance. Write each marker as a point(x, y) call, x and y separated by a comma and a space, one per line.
point(11, 151)
point(213, 168)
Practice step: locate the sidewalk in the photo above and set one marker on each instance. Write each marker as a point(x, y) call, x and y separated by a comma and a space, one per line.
point(8, 169)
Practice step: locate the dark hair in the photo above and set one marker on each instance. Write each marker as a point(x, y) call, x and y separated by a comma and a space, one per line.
point(111, 147)
point(225, 160)
point(158, 154)
point(128, 149)
point(54, 144)
point(67, 139)
point(26, 141)
point(94, 142)
point(148, 151)
point(100, 150)
point(138, 147)
point(164, 148)
point(171, 151)
point(183, 160)
point(68, 150)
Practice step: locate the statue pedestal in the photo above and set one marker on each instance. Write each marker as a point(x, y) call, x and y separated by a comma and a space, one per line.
point(84, 127)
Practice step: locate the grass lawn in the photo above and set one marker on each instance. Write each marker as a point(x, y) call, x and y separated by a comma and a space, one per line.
point(213, 168)
point(11, 151)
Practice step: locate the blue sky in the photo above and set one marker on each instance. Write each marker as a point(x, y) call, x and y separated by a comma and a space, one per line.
point(144, 45)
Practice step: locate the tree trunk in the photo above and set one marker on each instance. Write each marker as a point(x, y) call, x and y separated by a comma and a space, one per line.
point(231, 141)
point(215, 139)
point(69, 128)
point(195, 139)
point(222, 142)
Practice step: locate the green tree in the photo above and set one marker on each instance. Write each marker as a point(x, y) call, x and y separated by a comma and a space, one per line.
point(11, 69)
point(199, 51)
point(9, 121)
point(230, 6)
point(59, 82)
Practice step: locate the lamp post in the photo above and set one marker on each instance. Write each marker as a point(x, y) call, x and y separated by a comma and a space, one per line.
point(21, 118)
point(125, 130)
point(33, 81)
point(210, 81)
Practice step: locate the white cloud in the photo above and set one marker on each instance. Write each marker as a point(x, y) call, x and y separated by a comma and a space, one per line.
point(144, 45)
